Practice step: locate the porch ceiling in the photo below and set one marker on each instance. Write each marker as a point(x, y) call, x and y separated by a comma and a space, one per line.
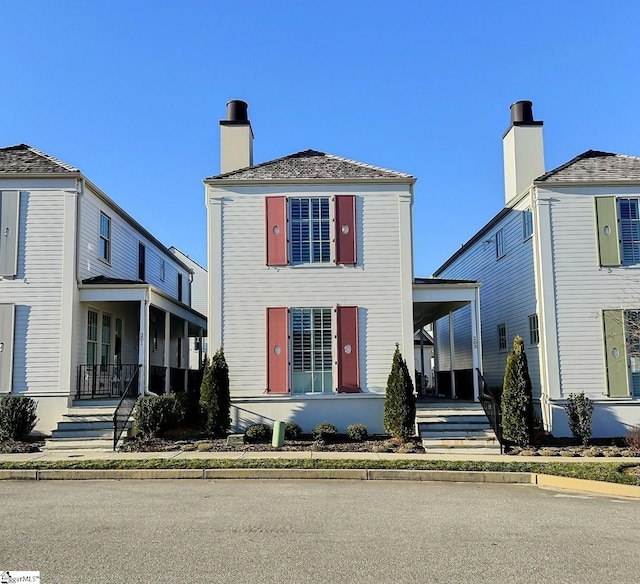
point(427, 312)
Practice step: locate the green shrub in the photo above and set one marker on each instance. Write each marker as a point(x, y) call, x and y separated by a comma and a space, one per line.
point(579, 410)
point(17, 417)
point(258, 433)
point(154, 415)
point(214, 395)
point(292, 430)
point(633, 438)
point(517, 399)
point(324, 431)
point(357, 432)
point(399, 404)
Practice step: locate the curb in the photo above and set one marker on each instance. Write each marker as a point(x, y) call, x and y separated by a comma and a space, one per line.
point(539, 480)
point(587, 486)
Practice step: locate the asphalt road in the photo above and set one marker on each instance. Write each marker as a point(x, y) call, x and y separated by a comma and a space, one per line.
point(314, 531)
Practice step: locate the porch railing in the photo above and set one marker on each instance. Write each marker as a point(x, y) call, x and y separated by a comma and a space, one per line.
point(125, 407)
point(103, 381)
point(492, 407)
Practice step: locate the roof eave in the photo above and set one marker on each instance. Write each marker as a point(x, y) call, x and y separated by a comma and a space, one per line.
point(586, 183)
point(41, 175)
point(228, 182)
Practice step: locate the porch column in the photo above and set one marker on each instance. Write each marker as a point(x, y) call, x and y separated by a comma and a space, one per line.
point(167, 351)
point(143, 345)
point(474, 349)
point(423, 390)
point(200, 331)
point(184, 358)
point(452, 358)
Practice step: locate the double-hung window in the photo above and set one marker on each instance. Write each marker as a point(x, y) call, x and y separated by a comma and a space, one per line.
point(502, 337)
point(311, 350)
point(629, 222)
point(310, 238)
point(142, 261)
point(534, 331)
point(499, 243)
point(105, 238)
point(527, 224)
point(310, 230)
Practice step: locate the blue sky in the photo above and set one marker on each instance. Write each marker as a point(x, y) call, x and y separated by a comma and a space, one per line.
point(131, 92)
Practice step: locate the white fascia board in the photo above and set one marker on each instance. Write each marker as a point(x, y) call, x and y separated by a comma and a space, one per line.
point(305, 181)
point(164, 302)
point(113, 293)
point(444, 293)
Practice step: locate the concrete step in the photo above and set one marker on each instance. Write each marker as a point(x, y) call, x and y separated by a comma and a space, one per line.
point(75, 444)
point(96, 403)
point(80, 412)
point(76, 434)
point(429, 414)
point(454, 424)
point(458, 434)
point(84, 423)
point(454, 444)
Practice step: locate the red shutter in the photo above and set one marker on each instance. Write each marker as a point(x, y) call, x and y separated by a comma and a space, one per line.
point(277, 350)
point(345, 229)
point(276, 212)
point(348, 362)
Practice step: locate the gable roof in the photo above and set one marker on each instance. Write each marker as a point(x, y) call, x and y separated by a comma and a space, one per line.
point(311, 164)
point(594, 165)
point(23, 159)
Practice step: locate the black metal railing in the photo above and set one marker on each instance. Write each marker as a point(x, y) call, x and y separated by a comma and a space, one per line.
point(157, 375)
point(492, 407)
point(103, 381)
point(125, 407)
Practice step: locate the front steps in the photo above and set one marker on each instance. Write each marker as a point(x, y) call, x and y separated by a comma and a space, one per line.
point(88, 424)
point(452, 427)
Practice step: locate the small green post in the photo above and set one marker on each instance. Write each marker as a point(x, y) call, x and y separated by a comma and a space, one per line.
point(278, 434)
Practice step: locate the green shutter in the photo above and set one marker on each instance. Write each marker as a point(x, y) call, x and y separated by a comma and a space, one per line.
point(6, 346)
point(615, 353)
point(607, 223)
point(9, 210)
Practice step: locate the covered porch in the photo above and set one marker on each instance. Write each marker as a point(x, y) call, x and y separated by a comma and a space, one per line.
point(135, 333)
point(437, 301)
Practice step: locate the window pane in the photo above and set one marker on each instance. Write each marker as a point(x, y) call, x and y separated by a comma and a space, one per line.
point(311, 347)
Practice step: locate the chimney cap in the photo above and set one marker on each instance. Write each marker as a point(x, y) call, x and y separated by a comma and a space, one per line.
point(522, 113)
point(237, 111)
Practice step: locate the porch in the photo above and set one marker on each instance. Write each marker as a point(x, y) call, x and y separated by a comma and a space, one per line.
point(436, 300)
point(130, 324)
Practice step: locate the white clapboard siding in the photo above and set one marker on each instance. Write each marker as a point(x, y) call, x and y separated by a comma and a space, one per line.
point(583, 289)
point(507, 295)
point(124, 250)
point(199, 286)
point(249, 286)
point(36, 293)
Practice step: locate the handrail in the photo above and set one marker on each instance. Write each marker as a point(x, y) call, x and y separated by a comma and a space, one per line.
point(125, 407)
point(492, 408)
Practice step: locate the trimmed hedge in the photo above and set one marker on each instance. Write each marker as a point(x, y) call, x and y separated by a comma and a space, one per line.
point(17, 417)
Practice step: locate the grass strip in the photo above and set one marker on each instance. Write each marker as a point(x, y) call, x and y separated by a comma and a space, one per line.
point(606, 471)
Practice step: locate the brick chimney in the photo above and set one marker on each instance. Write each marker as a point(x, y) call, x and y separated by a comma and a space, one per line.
point(523, 150)
point(236, 138)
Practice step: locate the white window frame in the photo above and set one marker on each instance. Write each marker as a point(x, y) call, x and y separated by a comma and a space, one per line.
point(502, 337)
point(163, 270)
point(327, 357)
point(329, 258)
point(106, 238)
point(527, 224)
point(534, 329)
point(500, 246)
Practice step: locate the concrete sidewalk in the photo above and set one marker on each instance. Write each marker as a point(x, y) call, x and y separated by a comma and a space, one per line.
point(86, 454)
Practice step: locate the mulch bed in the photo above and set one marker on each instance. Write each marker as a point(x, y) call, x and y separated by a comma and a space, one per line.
point(303, 443)
point(19, 447)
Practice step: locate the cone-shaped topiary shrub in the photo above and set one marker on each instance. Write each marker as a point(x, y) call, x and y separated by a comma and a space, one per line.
point(579, 410)
point(399, 404)
point(17, 417)
point(214, 395)
point(517, 400)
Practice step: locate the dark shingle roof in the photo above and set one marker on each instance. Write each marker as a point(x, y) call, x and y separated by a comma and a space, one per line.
point(105, 280)
point(26, 159)
point(311, 164)
point(594, 165)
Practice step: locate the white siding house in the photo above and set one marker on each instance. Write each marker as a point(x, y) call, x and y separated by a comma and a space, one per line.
point(310, 275)
point(86, 293)
point(558, 266)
